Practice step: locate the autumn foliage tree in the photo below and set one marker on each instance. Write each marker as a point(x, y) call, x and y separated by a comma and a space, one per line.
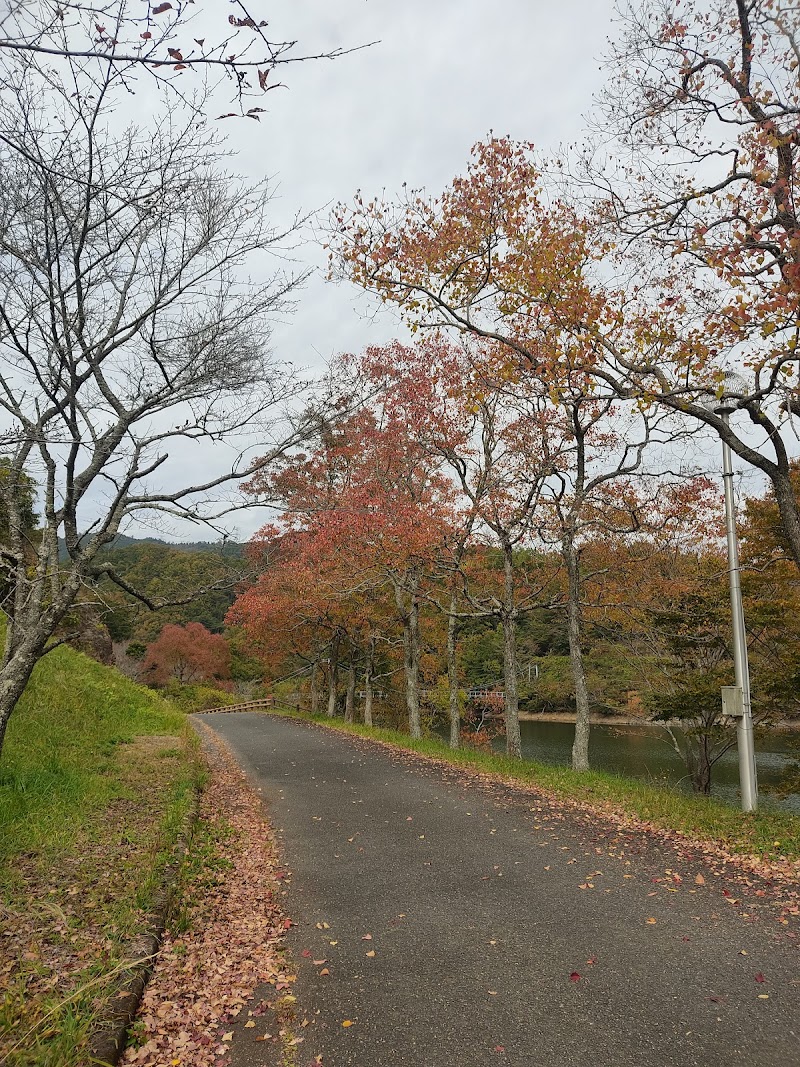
point(188, 654)
point(373, 504)
point(698, 158)
point(502, 256)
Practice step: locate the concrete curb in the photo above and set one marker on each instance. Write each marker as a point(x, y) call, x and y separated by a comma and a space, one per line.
point(109, 1035)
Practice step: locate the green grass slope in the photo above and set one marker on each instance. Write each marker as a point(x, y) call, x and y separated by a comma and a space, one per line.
point(96, 776)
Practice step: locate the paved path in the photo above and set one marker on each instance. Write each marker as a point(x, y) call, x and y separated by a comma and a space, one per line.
point(472, 894)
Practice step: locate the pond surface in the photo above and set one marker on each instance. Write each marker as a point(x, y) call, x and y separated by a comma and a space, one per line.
point(645, 751)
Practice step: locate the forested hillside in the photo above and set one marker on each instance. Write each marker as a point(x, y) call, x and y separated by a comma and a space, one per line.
point(170, 572)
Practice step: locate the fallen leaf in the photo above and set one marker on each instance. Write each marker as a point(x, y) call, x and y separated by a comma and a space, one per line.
point(651, 921)
point(574, 977)
point(760, 977)
point(699, 880)
point(249, 1023)
point(367, 937)
point(371, 952)
point(347, 1022)
point(324, 971)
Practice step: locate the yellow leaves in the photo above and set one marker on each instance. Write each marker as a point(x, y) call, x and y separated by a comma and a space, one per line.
point(651, 921)
point(371, 953)
point(347, 1022)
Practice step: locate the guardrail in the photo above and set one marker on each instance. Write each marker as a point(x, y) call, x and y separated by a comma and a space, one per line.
point(254, 705)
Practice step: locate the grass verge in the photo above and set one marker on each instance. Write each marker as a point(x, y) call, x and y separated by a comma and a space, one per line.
point(773, 835)
point(96, 777)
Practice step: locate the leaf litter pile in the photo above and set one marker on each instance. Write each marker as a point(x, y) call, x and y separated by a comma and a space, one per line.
point(227, 939)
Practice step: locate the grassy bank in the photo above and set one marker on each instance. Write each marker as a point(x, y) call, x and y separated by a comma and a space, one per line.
point(771, 834)
point(96, 777)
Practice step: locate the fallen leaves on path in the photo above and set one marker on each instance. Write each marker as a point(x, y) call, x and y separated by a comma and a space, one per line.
point(204, 976)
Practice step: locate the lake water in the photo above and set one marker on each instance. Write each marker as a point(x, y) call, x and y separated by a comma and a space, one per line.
point(644, 751)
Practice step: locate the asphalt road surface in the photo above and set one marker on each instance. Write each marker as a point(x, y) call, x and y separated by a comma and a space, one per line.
point(464, 923)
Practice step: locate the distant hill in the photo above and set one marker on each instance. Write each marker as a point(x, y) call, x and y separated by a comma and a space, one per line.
point(218, 548)
point(229, 549)
point(169, 571)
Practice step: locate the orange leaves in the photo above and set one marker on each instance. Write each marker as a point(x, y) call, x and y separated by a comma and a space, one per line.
point(491, 248)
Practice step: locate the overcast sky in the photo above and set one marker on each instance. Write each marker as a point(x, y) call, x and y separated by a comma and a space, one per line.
point(442, 74)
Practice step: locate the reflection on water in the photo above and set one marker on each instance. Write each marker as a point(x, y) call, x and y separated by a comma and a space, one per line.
point(645, 751)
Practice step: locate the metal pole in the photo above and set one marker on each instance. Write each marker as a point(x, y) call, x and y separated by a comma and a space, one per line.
point(744, 725)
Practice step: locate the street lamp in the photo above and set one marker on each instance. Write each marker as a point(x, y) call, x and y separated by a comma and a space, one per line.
point(736, 699)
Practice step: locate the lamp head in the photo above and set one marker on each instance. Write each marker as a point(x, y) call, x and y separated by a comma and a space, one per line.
point(734, 388)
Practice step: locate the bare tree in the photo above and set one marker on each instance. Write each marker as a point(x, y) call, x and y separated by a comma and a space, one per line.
point(164, 40)
point(129, 334)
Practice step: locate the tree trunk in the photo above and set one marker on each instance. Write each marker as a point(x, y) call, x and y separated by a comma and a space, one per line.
point(350, 698)
point(410, 615)
point(580, 746)
point(315, 688)
point(452, 676)
point(368, 683)
point(699, 765)
point(15, 676)
point(27, 635)
point(333, 676)
point(789, 511)
point(509, 621)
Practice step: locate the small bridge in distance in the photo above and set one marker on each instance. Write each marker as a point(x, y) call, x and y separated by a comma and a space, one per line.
point(253, 705)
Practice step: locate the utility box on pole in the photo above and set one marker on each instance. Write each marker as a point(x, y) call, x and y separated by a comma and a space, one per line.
point(733, 701)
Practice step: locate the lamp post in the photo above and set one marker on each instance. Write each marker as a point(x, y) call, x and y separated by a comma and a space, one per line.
point(736, 699)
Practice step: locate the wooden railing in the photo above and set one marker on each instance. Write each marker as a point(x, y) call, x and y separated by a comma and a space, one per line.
point(254, 705)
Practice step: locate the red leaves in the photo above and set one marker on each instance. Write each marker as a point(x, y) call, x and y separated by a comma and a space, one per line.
point(759, 977)
point(188, 653)
point(574, 977)
point(233, 939)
